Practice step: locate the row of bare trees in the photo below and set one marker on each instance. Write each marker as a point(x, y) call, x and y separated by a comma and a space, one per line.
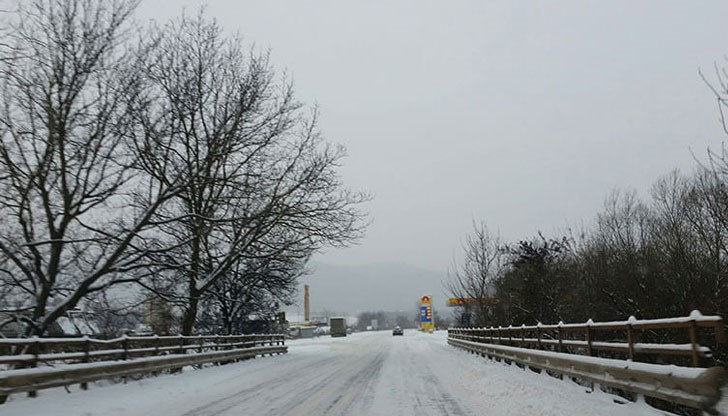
point(175, 160)
point(663, 257)
point(649, 258)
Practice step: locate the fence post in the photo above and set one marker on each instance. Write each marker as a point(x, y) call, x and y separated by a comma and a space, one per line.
point(523, 335)
point(538, 334)
point(558, 330)
point(589, 337)
point(86, 359)
point(630, 338)
point(694, 342)
point(36, 351)
point(125, 354)
point(125, 346)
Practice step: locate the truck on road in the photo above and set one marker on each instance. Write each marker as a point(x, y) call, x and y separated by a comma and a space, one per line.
point(338, 327)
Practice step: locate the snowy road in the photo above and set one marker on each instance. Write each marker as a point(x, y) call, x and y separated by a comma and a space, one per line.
point(363, 374)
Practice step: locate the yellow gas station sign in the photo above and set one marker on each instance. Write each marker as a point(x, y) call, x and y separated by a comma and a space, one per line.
point(427, 323)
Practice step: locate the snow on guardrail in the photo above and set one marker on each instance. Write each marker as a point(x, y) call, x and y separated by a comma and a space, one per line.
point(555, 348)
point(81, 360)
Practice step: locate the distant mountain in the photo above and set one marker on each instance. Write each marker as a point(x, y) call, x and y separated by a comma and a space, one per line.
point(373, 287)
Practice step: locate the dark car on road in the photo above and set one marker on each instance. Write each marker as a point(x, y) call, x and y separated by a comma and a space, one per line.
point(397, 331)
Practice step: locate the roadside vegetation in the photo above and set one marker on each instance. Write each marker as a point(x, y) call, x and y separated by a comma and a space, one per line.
point(163, 168)
point(660, 255)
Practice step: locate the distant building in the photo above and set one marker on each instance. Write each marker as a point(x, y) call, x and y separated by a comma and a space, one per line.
point(74, 324)
point(11, 327)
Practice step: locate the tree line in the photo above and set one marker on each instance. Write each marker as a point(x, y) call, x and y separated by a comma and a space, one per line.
point(664, 256)
point(167, 161)
point(661, 256)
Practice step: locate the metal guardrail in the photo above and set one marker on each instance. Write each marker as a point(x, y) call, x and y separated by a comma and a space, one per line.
point(41, 363)
point(549, 347)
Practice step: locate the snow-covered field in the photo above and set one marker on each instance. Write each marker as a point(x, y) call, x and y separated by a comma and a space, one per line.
point(363, 374)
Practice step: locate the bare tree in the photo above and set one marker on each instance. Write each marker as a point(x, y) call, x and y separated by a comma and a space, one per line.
point(485, 259)
point(707, 215)
point(261, 178)
point(72, 205)
point(114, 315)
point(675, 240)
point(255, 286)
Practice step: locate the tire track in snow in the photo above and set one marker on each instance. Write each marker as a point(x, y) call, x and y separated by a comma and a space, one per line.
point(241, 397)
point(410, 387)
point(346, 391)
point(328, 384)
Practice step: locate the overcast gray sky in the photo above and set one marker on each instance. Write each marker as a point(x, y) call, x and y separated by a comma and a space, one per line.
point(521, 114)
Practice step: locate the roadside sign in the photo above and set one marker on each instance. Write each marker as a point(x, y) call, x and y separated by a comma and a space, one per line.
point(465, 301)
point(427, 322)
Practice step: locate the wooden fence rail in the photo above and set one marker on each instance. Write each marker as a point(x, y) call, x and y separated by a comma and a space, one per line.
point(585, 337)
point(575, 349)
point(39, 363)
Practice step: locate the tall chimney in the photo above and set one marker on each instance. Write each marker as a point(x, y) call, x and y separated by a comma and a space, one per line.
point(306, 305)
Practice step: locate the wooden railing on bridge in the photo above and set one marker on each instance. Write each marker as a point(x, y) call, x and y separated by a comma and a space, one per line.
point(38, 363)
point(607, 353)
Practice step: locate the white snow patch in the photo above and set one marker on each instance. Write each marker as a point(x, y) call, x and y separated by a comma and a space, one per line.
point(370, 373)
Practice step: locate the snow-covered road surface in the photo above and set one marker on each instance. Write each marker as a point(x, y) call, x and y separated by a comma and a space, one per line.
point(363, 374)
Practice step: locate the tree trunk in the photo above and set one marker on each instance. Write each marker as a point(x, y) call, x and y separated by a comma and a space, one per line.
point(190, 316)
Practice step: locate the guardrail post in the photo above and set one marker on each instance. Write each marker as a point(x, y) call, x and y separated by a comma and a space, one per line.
point(538, 334)
point(561, 341)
